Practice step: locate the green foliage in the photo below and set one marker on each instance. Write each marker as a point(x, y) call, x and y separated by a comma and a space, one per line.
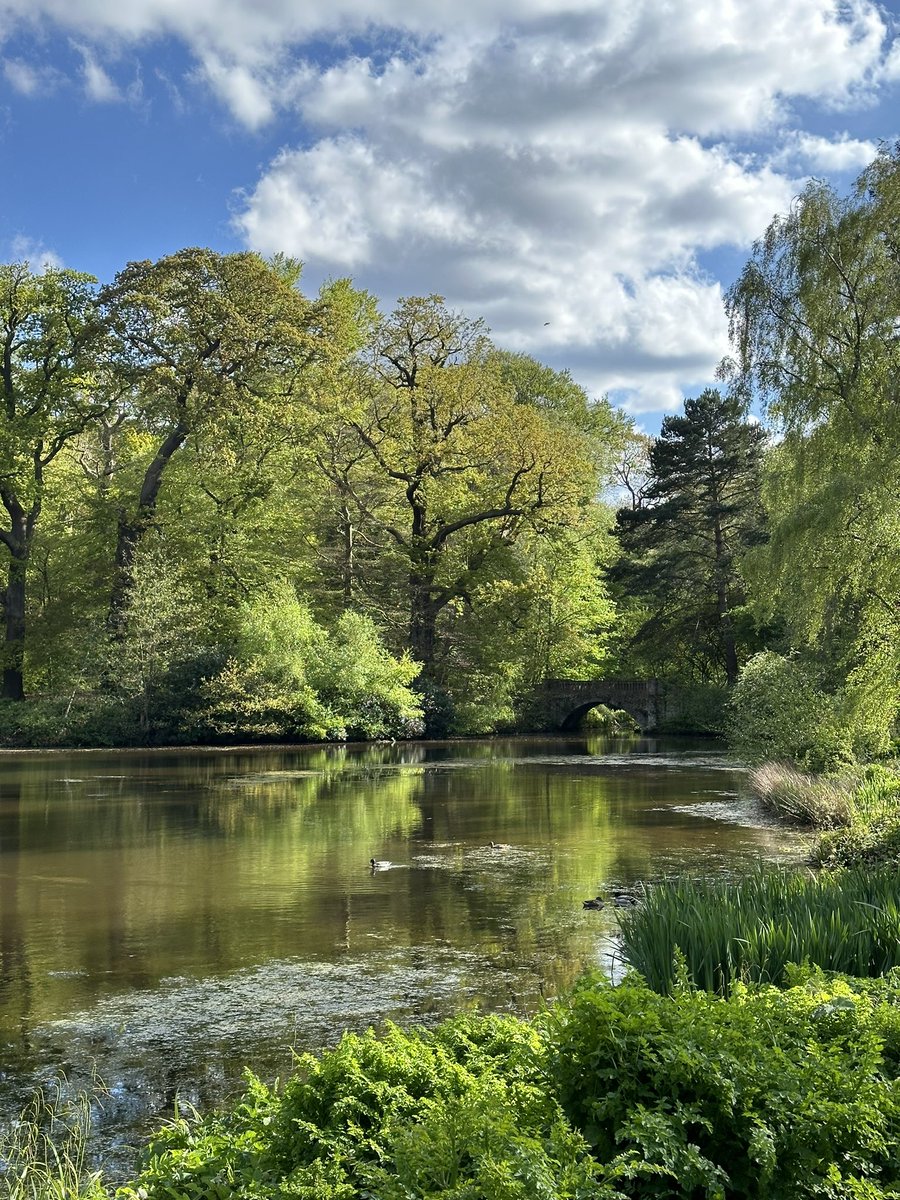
point(546, 614)
point(872, 833)
point(290, 678)
point(779, 711)
point(700, 708)
point(459, 1113)
point(619, 1092)
point(813, 329)
point(769, 1094)
point(43, 1152)
point(750, 929)
point(682, 543)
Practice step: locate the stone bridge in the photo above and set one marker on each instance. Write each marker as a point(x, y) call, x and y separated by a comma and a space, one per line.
point(560, 704)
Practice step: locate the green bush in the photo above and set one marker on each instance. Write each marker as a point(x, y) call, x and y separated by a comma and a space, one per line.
point(770, 1094)
point(291, 678)
point(618, 1093)
point(70, 721)
point(872, 835)
point(700, 708)
point(750, 929)
point(778, 711)
point(459, 1113)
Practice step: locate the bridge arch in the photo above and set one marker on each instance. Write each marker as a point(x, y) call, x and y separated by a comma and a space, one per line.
point(572, 722)
point(560, 704)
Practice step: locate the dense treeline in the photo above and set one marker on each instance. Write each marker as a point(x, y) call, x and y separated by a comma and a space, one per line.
point(230, 510)
point(773, 559)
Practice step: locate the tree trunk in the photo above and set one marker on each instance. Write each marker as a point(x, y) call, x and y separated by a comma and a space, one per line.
point(347, 557)
point(133, 527)
point(14, 614)
point(727, 636)
point(726, 629)
point(423, 614)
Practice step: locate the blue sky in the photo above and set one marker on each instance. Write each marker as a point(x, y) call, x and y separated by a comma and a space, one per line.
point(588, 176)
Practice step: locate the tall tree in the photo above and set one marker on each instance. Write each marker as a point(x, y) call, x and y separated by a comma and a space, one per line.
point(814, 323)
point(682, 546)
point(464, 464)
point(50, 336)
point(203, 339)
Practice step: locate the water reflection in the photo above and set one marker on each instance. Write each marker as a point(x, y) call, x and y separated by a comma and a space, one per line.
point(170, 916)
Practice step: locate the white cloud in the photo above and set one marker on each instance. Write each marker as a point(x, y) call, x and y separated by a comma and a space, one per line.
point(817, 154)
point(29, 79)
point(33, 251)
point(538, 161)
point(98, 86)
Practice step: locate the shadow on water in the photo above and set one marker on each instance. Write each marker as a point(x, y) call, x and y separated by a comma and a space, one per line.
point(169, 917)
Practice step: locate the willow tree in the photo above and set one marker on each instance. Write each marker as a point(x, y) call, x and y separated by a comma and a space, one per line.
point(50, 336)
point(815, 323)
point(205, 344)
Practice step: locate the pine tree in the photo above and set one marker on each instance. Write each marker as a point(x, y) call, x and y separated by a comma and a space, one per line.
point(682, 545)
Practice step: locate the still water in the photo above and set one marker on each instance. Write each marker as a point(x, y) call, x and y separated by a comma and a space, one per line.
point(167, 917)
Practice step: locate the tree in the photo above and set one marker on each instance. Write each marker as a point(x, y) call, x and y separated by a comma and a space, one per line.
point(50, 335)
point(203, 339)
point(814, 324)
point(463, 464)
point(682, 546)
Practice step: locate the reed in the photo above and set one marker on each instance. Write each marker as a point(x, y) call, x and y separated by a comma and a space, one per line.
point(43, 1152)
point(750, 929)
point(816, 800)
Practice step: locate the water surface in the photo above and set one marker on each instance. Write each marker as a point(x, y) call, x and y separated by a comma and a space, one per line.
point(167, 917)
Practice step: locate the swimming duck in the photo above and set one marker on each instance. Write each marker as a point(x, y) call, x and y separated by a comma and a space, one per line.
point(595, 903)
point(380, 864)
point(501, 846)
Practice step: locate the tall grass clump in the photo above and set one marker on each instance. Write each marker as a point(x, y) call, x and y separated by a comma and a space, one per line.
point(43, 1151)
point(872, 834)
point(750, 929)
point(820, 801)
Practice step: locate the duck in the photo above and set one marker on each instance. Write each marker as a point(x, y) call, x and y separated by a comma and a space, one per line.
point(595, 903)
point(624, 900)
point(501, 846)
point(380, 864)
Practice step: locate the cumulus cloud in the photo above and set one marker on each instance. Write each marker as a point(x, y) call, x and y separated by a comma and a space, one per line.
point(821, 154)
point(560, 175)
point(557, 166)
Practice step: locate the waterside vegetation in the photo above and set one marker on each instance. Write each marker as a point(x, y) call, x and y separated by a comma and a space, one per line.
point(233, 512)
point(617, 1093)
point(214, 487)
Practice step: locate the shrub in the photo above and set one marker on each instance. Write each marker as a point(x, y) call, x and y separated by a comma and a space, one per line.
point(458, 1113)
point(769, 1094)
point(778, 711)
point(872, 835)
point(290, 678)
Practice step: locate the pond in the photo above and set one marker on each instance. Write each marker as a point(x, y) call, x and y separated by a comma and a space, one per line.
point(167, 917)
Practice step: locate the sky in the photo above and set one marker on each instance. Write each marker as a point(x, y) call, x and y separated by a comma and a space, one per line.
point(586, 175)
